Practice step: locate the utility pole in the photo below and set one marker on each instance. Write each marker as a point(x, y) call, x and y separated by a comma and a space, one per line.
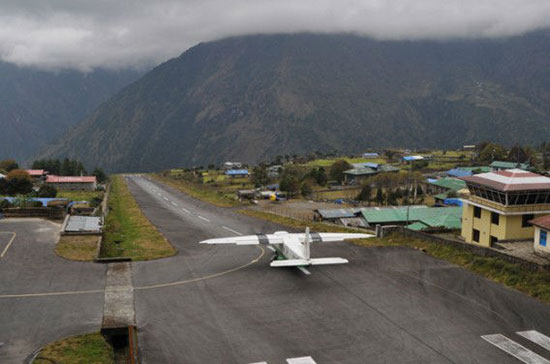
point(409, 191)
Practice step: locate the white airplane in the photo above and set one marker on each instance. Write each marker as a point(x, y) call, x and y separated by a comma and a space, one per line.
point(291, 250)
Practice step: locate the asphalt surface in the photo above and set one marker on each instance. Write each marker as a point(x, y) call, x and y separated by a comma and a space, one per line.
point(39, 299)
point(389, 305)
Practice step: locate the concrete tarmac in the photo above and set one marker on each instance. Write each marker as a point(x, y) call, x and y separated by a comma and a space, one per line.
point(388, 305)
point(34, 309)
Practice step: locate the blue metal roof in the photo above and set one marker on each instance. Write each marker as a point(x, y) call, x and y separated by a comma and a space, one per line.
point(409, 158)
point(232, 172)
point(457, 172)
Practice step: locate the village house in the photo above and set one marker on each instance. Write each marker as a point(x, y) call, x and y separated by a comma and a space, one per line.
point(72, 183)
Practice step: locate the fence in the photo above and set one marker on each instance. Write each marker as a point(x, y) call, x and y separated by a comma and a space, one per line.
point(47, 212)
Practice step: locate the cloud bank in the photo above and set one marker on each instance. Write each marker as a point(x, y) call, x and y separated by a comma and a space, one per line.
point(83, 34)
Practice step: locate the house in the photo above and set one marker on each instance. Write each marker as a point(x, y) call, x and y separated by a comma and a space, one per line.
point(428, 216)
point(233, 173)
point(370, 155)
point(445, 185)
point(274, 171)
point(232, 165)
point(542, 234)
point(361, 171)
point(37, 175)
point(469, 147)
point(500, 166)
point(73, 183)
point(412, 158)
point(501, 204)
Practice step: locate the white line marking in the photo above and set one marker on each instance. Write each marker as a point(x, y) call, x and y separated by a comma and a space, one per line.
point(302, 360)
point(164, 197)
point(516, 350)
point(536, 337)
point(203, 218)
point(231, 230)
point(260, 362)
point(174, 204)
point(184, 209)
point(8, 246)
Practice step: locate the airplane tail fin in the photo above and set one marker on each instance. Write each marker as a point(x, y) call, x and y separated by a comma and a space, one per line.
point(307, 244)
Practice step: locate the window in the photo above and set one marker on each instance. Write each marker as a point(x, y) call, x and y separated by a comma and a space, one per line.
point(542, 240)
point(475, 235)
point(493, 240)
point(477, 212)
point(525, 220)
point(495, 218)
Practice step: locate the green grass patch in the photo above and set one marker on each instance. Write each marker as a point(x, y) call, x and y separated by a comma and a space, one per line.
point(127, 231)
point(77, 247)
point(82, 349)
point(80, 195)
point(211, 194)
point(533, 283)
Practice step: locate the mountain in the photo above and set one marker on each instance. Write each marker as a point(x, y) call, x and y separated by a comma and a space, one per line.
point(37, 106)
point(248, 98)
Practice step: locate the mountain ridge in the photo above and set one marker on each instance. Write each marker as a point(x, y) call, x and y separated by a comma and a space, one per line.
point(251, 97)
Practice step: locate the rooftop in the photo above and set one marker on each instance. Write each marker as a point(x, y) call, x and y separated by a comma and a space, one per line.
point(511, 180)
point(399, 214)
point(543, 222)
point(509, 165)
point(70, 179)
point(450, 183)
point(36, 172)
point(236, 171)
point(362, 171)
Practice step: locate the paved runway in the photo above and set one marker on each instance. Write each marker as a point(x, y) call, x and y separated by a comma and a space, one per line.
point(389, 305)
point(32, 312)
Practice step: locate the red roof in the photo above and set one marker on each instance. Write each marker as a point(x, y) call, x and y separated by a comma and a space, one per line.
point(36, 172)
point(543, 222)
point(510, 180)
point(70, 179)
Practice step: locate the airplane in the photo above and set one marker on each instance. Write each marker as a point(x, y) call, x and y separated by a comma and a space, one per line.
point(291, 249)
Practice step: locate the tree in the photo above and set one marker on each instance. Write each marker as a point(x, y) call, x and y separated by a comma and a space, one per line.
point(379, 196)
point(259, 176)
point(8, 165)
point(19, 174)
point(306, 189)
point(100, 175)
point(492, 152)
point(46, 191)
point(290, 184)
point(16, 182)
point(338, 168)
point(365, 193)
point(521, 154)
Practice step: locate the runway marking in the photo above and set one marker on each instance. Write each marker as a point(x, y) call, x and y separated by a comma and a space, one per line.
point(9, 244)
point(302, 360)
point(536, 337)
point(516, 350)
point(184, 209)
point(231, 230)
point(142, 288)
point(174, 204)
point(203, 218)
point(164, 197)
point(162, 285)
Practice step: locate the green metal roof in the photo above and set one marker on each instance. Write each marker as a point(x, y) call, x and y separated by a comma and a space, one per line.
point(509, 165)
point(418, 226)
point(481, 169)
point(450, 183)
point(397, 215)
point(360, 171)
point(441, 196)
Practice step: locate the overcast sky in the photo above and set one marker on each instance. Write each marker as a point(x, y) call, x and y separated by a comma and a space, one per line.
point(84, 34)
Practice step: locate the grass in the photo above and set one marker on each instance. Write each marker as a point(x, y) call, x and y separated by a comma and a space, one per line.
point(84, 349)
point(201, 192)
point(127, 231)
point(533, 283)
point(80, 195)
point(77, 247)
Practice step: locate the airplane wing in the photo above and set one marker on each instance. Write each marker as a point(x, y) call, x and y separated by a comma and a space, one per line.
point(304, 262)
point(257, 239)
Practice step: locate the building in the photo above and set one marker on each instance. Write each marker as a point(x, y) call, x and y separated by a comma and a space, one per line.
point(501, 204)
point(445, 185)
point(542, 234)
point(370, 155)
point(234, 173)
point(37, 175)
point(427, 216)
point(501, 166)
point(74, 183)
point(232, 165)
point(361, 171)
point(412, 158)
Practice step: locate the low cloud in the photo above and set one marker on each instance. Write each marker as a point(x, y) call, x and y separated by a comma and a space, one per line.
point(83, 35)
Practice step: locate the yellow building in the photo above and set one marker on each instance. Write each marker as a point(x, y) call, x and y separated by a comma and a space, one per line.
point(501, 204)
